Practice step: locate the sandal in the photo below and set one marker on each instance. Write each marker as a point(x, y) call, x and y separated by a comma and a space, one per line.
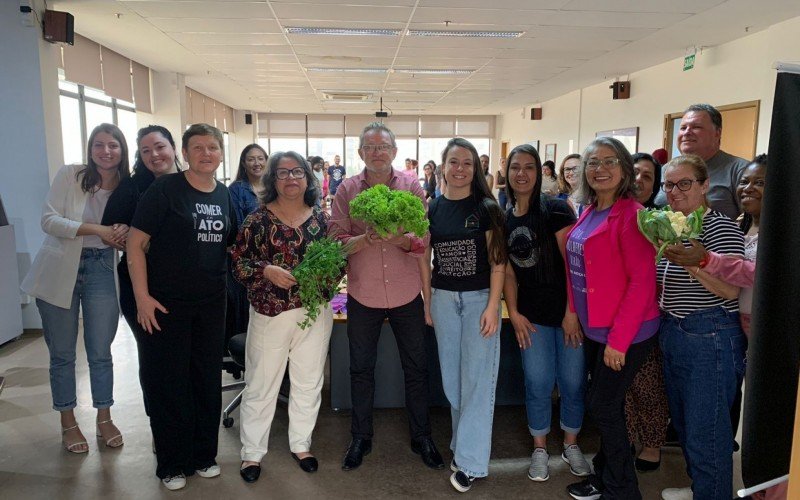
point(73, 447)
point(112, 441)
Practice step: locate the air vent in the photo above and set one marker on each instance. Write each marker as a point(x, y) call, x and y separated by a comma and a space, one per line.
point(346, 96)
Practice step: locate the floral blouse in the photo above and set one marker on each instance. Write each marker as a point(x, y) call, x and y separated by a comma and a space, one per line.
point(264, 240)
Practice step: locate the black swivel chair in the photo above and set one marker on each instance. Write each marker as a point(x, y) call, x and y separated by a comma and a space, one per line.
point(236, 348)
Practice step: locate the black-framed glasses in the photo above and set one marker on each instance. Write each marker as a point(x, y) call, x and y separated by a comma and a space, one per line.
point(683, 185)
point(381, 148)
point(606, 162)
point(284, 173)
point(569, 170)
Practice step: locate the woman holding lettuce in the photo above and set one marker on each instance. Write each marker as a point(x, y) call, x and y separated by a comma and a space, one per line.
point(611, 286)
point(701, 338)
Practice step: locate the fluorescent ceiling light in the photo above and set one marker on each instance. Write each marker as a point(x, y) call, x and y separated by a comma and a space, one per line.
point(348, 70)
point(300, 30)
point(466, 34)
point(427, 71)
point(416, 91)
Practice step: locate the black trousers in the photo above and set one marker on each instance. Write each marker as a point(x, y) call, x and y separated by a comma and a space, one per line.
point(127, 304)
point(181, 370)
point(363, 330)
point(614, 473)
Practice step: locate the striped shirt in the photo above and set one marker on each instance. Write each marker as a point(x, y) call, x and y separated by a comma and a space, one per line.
point(681, 294)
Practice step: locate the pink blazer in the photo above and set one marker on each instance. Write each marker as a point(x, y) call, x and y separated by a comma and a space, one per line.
point(620, 275)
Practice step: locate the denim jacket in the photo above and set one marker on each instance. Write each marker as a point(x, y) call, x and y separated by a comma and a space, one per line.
point(245, 200)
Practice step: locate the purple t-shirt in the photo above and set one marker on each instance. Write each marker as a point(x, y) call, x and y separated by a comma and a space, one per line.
point(577, 274)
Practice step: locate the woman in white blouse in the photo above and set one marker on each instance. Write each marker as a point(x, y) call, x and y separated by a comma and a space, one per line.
point(74, 270)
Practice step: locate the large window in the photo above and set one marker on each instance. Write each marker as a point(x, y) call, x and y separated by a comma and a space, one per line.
point(326, 147)
point(406, 148)
point(296, 144)
point(84, 108)
point(419, 139)
point(431, 149)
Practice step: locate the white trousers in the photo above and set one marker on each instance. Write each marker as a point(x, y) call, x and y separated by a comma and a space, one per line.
point(271, 343)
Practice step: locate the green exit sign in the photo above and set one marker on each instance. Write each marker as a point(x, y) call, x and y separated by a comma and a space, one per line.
point(688, 62)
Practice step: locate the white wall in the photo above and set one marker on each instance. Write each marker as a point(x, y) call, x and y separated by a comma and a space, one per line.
point(730, 73)
point(168, 100)
point(30, 132)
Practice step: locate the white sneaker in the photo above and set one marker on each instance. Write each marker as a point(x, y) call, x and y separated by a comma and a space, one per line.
point(577, 462)
point(210, 471)
point(677, 494)
point(539, 471)
point(173, 483)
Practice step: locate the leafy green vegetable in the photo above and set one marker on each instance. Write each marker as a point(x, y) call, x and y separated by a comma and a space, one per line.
point(663, 227)
point(389, 211)
point(319, 276)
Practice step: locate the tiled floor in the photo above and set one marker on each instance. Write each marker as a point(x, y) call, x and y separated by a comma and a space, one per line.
point(33, 464)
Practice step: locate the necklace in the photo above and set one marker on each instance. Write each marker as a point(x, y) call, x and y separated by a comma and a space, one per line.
point(286, 219)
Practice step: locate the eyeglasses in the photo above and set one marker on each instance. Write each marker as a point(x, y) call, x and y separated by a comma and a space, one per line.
point(606, 162)
point(381, 148)
point(683, 185)
point(569, 170)
point(284, 173)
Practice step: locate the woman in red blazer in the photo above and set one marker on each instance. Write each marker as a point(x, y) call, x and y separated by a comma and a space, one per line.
point(611, 280)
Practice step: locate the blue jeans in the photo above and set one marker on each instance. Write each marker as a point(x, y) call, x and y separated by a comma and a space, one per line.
point(547, 361)
point(502, 199)
point(704, 361)
point(469, 364)
point(95, 293)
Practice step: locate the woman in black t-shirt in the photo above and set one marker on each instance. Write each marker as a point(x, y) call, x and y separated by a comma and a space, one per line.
point(155, 156)
point(549, 336)
point(462, 302)
point(184, 223)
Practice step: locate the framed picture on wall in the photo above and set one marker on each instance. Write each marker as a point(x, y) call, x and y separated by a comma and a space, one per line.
point(534, 143)
point(550, 152)
point(627, 136)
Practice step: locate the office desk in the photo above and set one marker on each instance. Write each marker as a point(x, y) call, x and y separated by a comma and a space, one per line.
point(389, 387)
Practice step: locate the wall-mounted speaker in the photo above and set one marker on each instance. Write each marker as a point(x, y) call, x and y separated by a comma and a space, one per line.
point(59, 27)
point(248, 118)
point(536, 113)
point(621, 90)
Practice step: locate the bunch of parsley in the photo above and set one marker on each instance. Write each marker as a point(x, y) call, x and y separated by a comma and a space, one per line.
point(389, 211)
point(319, 276)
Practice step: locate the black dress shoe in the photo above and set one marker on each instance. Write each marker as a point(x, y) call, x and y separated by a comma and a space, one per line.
point(250, 473)
point(430, 455)
point(643, 465)
point(355, 453)
point(308, 464)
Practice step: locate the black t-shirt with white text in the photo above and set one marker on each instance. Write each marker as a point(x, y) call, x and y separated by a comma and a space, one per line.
point(541, 280)
point(190, 231)
point(458, 238)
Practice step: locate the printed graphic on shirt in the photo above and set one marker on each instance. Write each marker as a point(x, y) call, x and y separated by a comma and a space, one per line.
point(472, 222)
point(337, 175)
point(457, 257)
point(575, 256)
point(209, 222)
point(523, 248)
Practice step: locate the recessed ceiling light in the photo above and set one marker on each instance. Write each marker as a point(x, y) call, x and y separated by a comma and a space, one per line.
point(348, 70)
point(466, 34)
point(302, 30)
point(427, 71)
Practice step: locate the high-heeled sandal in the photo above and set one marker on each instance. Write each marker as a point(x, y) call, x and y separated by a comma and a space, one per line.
point(72, 447)
point(108, 442)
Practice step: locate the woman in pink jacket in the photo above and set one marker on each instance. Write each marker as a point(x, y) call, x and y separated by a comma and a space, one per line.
point(612, 288)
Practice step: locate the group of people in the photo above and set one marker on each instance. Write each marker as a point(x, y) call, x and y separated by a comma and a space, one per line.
point(632, 343)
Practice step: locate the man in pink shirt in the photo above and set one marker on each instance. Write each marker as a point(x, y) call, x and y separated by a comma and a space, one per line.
point(383, 281)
